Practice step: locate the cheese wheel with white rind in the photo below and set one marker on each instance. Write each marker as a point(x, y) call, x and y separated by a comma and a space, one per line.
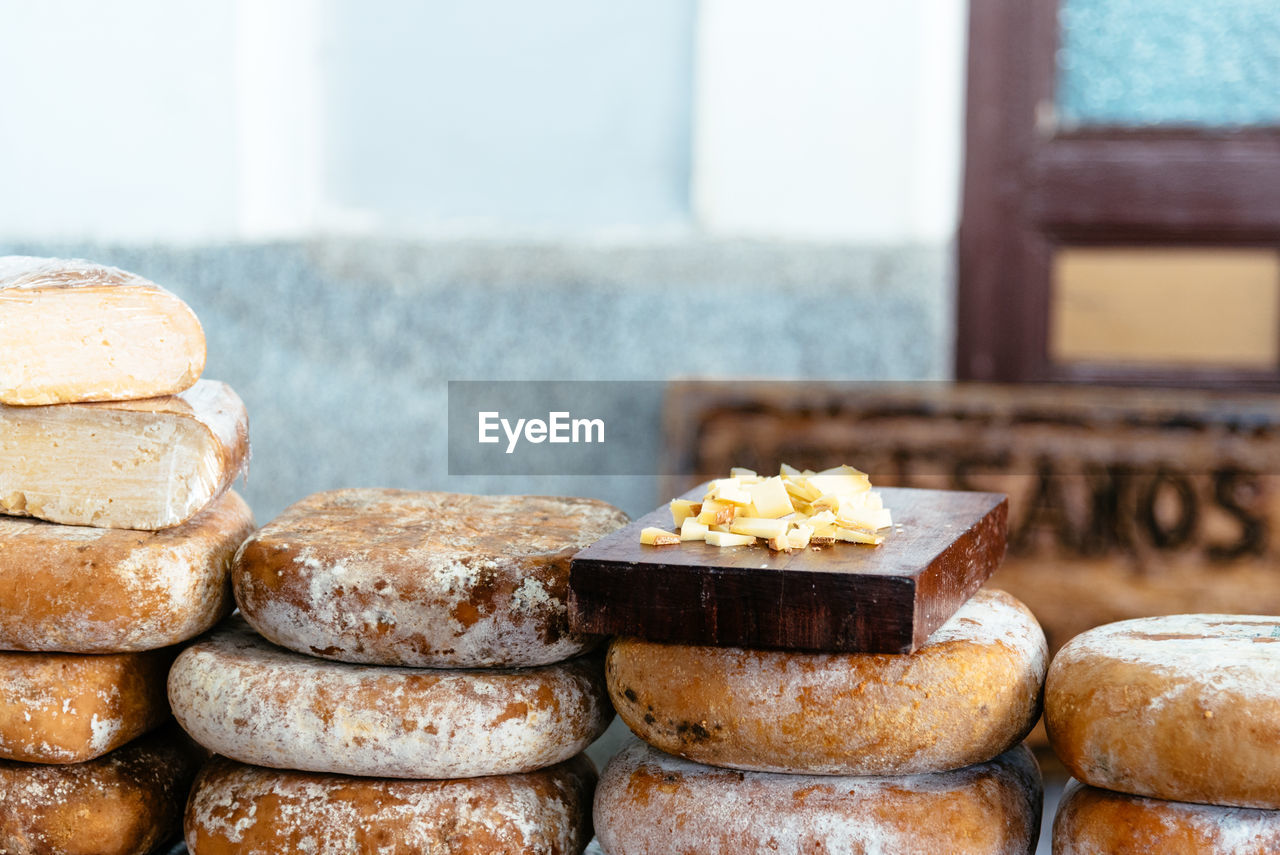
point(439, 580)
point(70, 708)
point(126, 803)
point(968, 694)
point(242, 697)
point(650, 803)
point(1183, 707)
point(144, 465)
point(248, 810)
point(1090, 820)
point(78, 589)
point(73, 331)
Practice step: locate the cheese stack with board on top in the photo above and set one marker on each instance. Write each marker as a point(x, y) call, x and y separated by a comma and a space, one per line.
point(800, 690)
point(117, 530)
point(1171, 728)
point(403, 676)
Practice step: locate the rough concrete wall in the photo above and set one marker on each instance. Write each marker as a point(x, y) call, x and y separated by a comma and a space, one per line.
point(342, 349)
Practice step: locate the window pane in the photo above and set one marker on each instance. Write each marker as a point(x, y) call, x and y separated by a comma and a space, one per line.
point(1208, 63)
point(1172, 307)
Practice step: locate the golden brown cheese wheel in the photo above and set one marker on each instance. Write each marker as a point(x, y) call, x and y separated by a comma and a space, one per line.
point(144, 465)
point(1184, 707)
point(440, 580)
point(966, 695)
point(73, 330)
point(78, 589)
point(126, 803)
point(247, 810)
point(650, 803)
point(242, 697)
point(69, 707)
point(1092, 821)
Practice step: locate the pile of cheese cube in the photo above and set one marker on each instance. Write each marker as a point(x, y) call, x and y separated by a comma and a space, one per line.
point(790, 510)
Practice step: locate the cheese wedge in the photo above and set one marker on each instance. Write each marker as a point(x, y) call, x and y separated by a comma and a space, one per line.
point(146, 465)
point(73, 331)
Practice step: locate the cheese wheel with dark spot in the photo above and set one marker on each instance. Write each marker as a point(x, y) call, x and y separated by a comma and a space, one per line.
point(966, 695)
point(440, 580)
point(128, 802)
point(650, 803)
point(78, 589)
point(248, 810)
point(242, 697)
point(1091, 820)
point(1183, 707)
point(69, 708)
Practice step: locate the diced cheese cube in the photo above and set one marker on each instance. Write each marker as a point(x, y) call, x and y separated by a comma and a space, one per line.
point(716, 512)
point(771, 498)
point(652, 536)
point(722, 538)
point(691, 529)
point(759, 527)
point(798, 538)
point(682, 509)
point(854, 535)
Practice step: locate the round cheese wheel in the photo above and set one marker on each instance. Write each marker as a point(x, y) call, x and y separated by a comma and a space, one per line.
point(69, 708)
point(1184, 707)
point(650, 803)
point(126, 803)
point(966, 695)
point(78, 589)
point(1090, 821)
point(438, 580)
point(247, 810)
point(242, 697)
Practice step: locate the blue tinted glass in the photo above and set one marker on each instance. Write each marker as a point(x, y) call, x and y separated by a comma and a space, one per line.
point(1169, 62)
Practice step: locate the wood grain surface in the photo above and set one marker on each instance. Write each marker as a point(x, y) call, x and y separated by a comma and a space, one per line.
point(846, 597)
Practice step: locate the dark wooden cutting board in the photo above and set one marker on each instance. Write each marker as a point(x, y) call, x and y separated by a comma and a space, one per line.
point(846, 597)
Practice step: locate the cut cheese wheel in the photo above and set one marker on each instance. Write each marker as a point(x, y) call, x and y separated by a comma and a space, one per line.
point(244, 698)
point(1090, 821)
point(95, 590)
point(126, 803)
point(69, 708)
point(968, 694)
point(147, 465)
point(440, 580)
point(650, 803)
point(1184, 707)
point(247, 810)
point(75, 331)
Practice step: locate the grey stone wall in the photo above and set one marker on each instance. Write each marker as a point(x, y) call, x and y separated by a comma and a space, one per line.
point(342, 349)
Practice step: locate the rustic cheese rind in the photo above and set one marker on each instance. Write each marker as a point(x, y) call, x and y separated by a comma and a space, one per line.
point(650, 803)
point(126, 803)
point(244, 698)
point(1090, 821)
point(77, 589)
point(968, 694)
point(69, 708)
point(74, 331)
point(1183, 707)
point(145, 465)
point(440, 580)
point(248, 810)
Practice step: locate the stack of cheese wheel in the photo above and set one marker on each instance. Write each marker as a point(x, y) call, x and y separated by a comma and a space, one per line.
point(117, 531)
point(403, 680)
point(1171, 727)
point(796, 752)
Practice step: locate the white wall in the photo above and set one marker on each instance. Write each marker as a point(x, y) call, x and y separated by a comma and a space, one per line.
point(176, 120)
point(828, 119)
